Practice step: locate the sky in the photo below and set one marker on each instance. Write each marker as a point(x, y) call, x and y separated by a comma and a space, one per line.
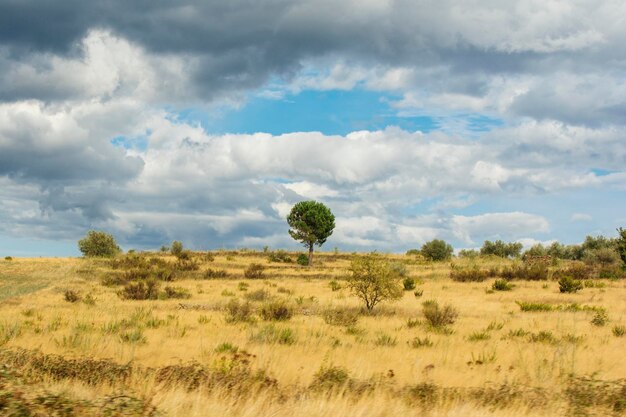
point(206, 121)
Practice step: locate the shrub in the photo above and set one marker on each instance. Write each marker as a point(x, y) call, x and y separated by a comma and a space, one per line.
point(238, 312)
point(529, 271)
point(140, 290)
point(8, 258)
point(177, 248)
point(436, 250)
point(215, 273)
point(600, 318)
point(329, 378)
point(399, 268)
point(334, 285)
point(340, 316)
point(71, 296)
point(279, 256)
point(254, 271)
point(302, 260)
point(542, 337)
point(98, 244)
point(619, 331)
point(439, 316)
point(576, 270)
point(258, 295)
point(176, 292)
point(418, 293)
point(569, 285)
point(408, 283)
point(501, 285)
point(472, 274)
point(183, 264)
point(277, 310)
point(372, 280)
point(604, 257)
point(468, 253)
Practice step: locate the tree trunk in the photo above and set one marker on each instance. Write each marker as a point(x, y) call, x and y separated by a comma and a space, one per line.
point(310, 253)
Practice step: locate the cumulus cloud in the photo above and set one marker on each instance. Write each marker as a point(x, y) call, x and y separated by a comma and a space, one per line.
point(90, 132)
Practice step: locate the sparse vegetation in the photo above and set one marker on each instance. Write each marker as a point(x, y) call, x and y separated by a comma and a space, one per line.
point(372, 280)
point(254, 271)
point(570, 285)
point(293, 321)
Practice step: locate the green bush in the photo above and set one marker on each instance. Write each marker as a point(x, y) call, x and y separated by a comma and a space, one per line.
point(254, 271)
point(570, 285)
point(439, 316)
point(98, 244)
point(302, 259)
point(600, 318)
point(436, 250)
point(277, 310)
point(408, 283)
point(501, 285)
point(8, 258)
point(177, 248)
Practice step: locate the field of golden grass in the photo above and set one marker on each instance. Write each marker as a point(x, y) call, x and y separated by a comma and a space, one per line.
point(495, 360)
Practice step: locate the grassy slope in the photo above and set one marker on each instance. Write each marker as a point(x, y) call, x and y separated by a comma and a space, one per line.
point(31, 297)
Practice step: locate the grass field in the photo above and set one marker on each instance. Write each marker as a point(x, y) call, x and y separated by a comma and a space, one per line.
point(187, 357)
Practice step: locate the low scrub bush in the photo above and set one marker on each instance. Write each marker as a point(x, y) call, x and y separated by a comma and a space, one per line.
point(569, 285)
point(8, 258)
point(277, 310)
point(472, 274)
point(334, 285)
point(184, 265)
point(302, 260)
point(140, 290)
point(576, 270)
point(600, 318)
point(176, 292)
point(542, 337)
point(215, 273)
point(71, 296)
point(527, 271)
point(258, 295)
point(239, 312)
point(408, 283)
point(329, 378)
point(501, 285)
point(341, 316)
point(279, 256)
point(619, 331)
point(439, 316)
point(254, 271)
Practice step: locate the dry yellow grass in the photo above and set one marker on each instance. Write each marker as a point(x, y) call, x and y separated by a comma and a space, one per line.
point(378, 347)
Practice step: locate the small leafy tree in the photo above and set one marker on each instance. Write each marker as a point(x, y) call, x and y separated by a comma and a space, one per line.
point(98, 244)
point(373, 280)
point(311, 223)
point(176, 248)
point(501, 249)
point(437, 250)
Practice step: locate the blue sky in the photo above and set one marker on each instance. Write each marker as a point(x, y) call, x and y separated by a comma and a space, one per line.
point(410, 122)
